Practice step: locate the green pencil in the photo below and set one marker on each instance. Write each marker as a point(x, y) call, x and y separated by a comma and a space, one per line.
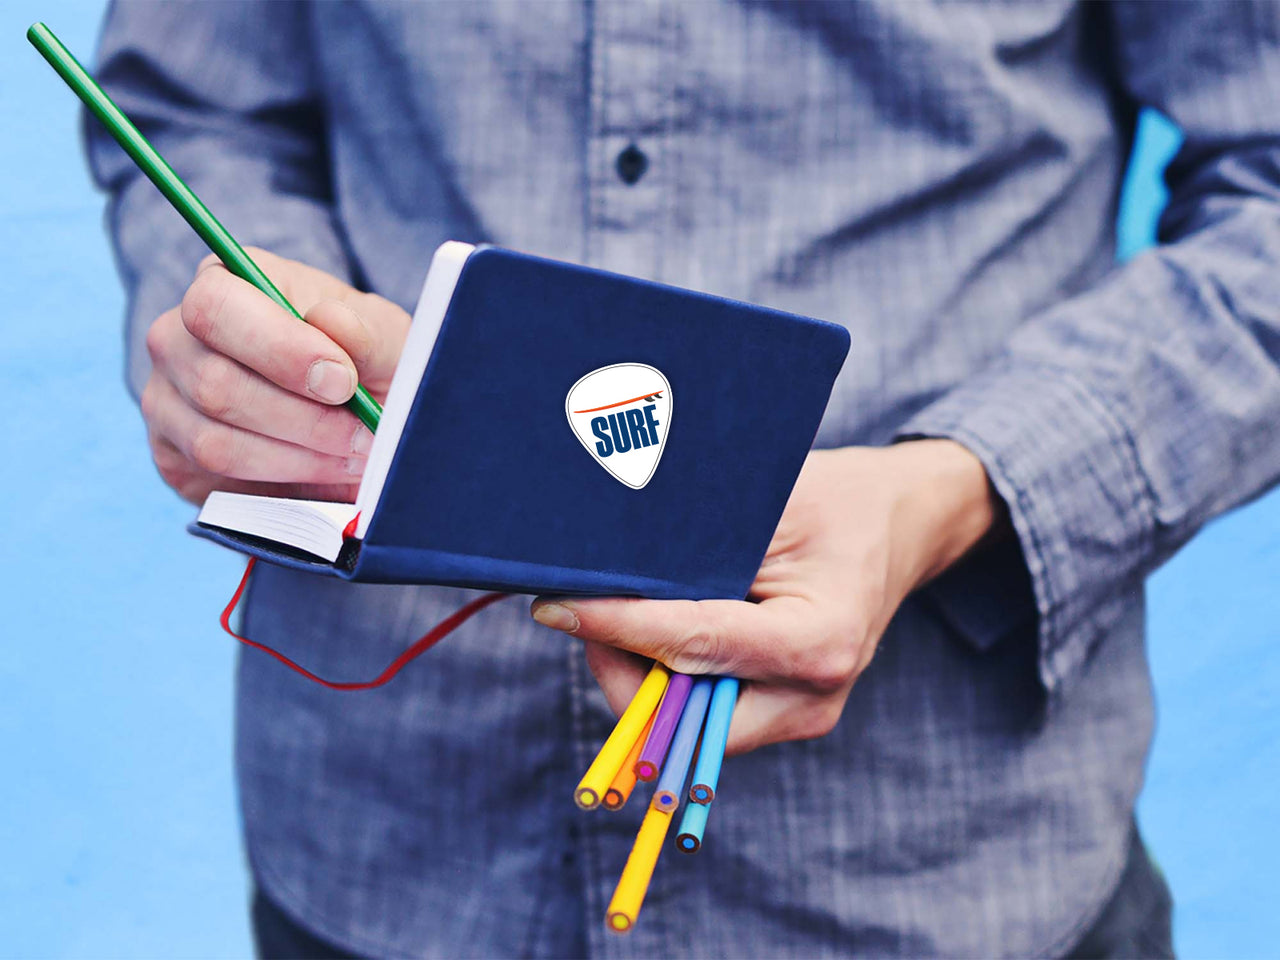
point(184, 200)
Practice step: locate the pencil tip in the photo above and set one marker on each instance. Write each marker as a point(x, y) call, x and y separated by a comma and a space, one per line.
point(619, 922)
point(665, 801)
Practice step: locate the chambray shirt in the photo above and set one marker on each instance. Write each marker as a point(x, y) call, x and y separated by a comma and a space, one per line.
point(939, 178)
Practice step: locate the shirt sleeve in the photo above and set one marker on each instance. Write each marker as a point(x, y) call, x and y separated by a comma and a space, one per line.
point(226, 92)
point(1117, 423)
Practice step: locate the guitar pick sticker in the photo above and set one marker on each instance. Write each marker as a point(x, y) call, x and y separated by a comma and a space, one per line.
point(621, 414)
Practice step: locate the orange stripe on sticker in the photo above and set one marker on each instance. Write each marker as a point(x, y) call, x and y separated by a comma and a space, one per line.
point(621, 403)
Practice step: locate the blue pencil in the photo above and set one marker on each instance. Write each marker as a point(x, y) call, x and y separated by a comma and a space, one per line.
point(692, 824)
point(680, 755)
point(706, 774)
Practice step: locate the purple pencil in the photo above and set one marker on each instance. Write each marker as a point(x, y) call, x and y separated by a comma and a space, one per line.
point(664, 727)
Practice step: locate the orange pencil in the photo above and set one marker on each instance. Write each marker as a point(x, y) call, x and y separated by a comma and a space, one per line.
point(616, 796)
point(609, 760)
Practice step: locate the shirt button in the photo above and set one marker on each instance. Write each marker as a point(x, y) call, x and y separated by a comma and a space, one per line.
point(631, 164)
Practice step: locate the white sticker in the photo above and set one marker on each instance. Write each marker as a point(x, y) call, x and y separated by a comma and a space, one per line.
point(621, 414)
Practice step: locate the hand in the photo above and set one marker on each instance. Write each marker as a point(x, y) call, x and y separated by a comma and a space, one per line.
point(862, 529)
point(242, 396)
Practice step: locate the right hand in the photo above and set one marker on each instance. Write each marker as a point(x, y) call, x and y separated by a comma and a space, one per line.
point(244, 397)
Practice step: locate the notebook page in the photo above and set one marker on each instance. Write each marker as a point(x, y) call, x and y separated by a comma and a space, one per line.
point(442, 277)
point(312, 525)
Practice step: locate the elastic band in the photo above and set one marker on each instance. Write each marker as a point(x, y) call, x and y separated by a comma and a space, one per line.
point(425, 643)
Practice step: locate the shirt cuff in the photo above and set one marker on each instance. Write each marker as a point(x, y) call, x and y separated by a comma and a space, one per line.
point(1068, 470)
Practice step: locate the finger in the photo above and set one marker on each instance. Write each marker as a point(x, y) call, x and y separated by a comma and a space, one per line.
point(619, 673)
point(370, 329)
point(761, 717)
point(189, 481)
point(234, 453)
point(748, 640)
point(302, 285)
point(373, 330)
point(778, 714)
point(230, 392)
point(232, 317)
point(194, 485)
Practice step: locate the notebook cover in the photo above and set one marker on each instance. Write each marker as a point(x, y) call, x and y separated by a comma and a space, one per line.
point(491, 487)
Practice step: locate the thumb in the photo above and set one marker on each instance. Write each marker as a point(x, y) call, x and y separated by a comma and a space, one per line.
point(371, 330)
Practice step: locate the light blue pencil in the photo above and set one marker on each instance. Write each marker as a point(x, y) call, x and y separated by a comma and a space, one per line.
point(692, 824)
point(706, 773)
point(671, 781)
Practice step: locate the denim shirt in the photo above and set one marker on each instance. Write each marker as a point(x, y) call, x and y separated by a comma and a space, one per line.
point(939, 178)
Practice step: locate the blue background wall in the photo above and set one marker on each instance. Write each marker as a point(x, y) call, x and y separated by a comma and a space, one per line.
point(118, 832)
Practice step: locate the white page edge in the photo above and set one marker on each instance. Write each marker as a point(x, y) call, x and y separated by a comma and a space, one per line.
point(437, 293)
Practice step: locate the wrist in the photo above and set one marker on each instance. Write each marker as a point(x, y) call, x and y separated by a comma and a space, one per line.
point(946, 504)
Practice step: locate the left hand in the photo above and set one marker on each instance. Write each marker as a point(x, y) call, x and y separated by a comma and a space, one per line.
point(863, 528)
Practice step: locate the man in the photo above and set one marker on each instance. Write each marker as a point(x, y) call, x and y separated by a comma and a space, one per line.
point(947, 703)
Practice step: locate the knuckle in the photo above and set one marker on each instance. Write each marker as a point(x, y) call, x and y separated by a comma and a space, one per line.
point(362, 347)
point(280, 270)
point(174, 470)
point(157, 338)
point(170, 478)
point(828, 667)
point(704, 646)
point(168, 475)
point(367, 339)
point(164, 460)
point(215, 385)
point(191, 488)
point(353, 334)
point(213, 448)
point(149, 400)
point(329, 430)
point(169, 462)
point(258, 253)
point(173, 475)
point(202, 305)
point(821, 720)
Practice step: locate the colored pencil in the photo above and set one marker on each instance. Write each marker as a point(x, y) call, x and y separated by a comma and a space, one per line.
point(692, 825)
point(664, 726)
point(634, 882)
point(615, 798)
point(676, 769)
point(591, 788)
point(706, 772)
point(183, 198)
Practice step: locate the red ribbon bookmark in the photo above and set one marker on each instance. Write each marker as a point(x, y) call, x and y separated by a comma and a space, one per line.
point(425, 643)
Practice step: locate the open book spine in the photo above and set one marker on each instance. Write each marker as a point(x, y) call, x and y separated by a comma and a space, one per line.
point(344, 567)
point(373, 563)
point(379, 563)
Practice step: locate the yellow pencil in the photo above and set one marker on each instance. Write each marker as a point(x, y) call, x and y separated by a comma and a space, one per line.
point(634, 882)
point(613, 754)
point(615, 798)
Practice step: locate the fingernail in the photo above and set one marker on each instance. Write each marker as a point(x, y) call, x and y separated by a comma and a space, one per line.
point(330, 381)
point(356, 465)
point(361, 440)
point(556, 616)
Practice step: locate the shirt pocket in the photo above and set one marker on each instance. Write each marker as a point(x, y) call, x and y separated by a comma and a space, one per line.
point(986, 596)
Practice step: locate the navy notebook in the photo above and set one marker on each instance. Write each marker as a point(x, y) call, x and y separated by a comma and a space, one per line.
point(553, 428)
